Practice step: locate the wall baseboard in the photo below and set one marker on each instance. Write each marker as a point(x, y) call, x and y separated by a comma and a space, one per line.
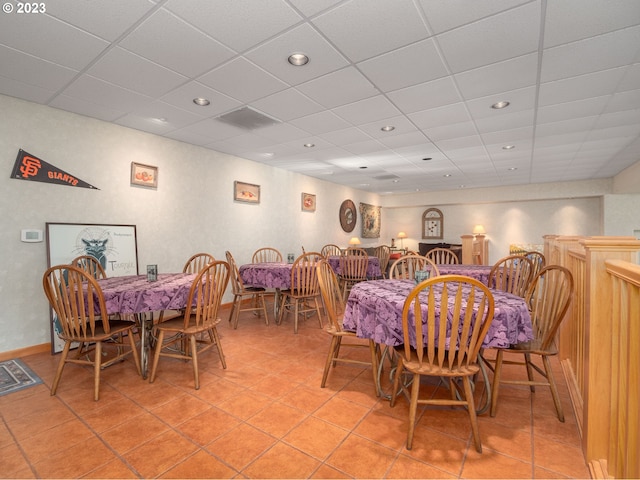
point(23, 352)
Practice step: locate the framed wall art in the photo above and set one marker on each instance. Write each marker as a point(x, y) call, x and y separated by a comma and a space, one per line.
point(370, 220)
point(144, 175)
point(114, 246)
point(308, 202)
point(246, 192)
point(432, 224)
point(348, 216)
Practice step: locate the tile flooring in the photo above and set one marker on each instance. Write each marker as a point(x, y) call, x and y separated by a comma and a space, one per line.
point(266, 416)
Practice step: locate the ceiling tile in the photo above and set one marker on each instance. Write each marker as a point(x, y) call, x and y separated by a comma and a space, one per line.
point(162, 37)
point(426, 95)
point(183, 96)
point(482, 42)
point(319, 123)
point(259, 21)
point(363, 29)
point(287, 105)
point(242, 80)
point(338, 88)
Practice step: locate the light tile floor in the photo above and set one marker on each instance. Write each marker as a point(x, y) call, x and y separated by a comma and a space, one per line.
point(266, 416)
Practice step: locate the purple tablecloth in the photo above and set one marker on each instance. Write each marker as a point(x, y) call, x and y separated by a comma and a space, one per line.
point(266, 275)
point(479, 272)
point(135, 294)
point(373, 266)
point(374, 310)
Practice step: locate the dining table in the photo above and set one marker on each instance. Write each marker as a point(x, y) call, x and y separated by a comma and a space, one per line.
point(479, 272)
point(373, 266)
point(137, 296)
point(374, 311)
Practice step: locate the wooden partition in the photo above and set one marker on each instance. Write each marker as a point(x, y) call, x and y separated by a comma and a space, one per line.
point(600, 348)
point(475, 250)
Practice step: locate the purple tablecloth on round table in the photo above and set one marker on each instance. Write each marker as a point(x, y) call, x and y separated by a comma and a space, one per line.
point(373, 266)
point(479, 272)
point(266, 275)
point(135, 294)
point(374, 310)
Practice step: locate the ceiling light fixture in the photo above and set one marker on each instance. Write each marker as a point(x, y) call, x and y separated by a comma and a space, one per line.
point(500, 105)
point(298, 59)
point(446, 175)
point(426, 159)
point(388, 128)
point(363, 167)
point(511, 169)
point(203, 102)
point(309, 145)
point(508, 147)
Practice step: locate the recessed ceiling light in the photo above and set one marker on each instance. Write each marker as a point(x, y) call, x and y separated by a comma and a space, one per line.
point(298, 59)
point(309, 145)
point(203, 102)
point(363, 167)
point(511, 169)
point(500, 105)
point(461, 186)
point(446, 175)
point(388, 128)
point(267, 154)
point(396, 181)
point(508, 147)
point(426, 159)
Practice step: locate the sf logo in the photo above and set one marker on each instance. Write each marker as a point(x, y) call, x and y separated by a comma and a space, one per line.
point(30, 167)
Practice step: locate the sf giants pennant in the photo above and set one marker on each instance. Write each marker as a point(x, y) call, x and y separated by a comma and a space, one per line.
point(28, 167)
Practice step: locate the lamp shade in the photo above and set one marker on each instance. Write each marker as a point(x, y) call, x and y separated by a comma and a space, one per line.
point(478, 230)
point(402, 235)
point(354, 241)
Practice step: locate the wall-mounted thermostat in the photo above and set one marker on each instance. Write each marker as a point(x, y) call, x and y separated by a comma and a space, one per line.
point(30, 235)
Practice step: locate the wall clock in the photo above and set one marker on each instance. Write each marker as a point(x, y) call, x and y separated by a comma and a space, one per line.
point(432, 223)
point(348, 215)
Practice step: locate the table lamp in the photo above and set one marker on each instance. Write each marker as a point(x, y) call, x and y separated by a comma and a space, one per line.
point(478, 230)
point(402, 236)
point(354, 241)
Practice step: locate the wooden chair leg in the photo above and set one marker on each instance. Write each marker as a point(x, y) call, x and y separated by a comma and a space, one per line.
point(219, 345)
point(134, 351)
point(374, 366)
point(471, 408)
point(396, 382)
point(61, 364)
point(553, 387)
point(156, 356)
point(527, 361)
point(497, 371)
point(331, 355)
point(97, 364)
point(413, 408)
point(194, 361)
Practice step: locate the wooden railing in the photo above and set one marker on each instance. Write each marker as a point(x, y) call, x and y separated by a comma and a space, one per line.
point(600, 349)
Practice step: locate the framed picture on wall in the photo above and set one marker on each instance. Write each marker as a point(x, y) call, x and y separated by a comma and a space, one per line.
point(370, 215)
point(308, 202)
point(246, 192)
point(144, 175)
point(114, 246)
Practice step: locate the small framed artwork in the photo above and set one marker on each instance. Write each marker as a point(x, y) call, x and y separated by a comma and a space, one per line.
point(144, 175)
point(308, 202)
point(246, 192)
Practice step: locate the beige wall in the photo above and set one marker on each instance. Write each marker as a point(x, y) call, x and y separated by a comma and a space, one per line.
point(192, 209)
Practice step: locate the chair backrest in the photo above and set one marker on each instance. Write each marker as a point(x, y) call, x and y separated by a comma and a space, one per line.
point(266, 255)
point(549, 297)
point(197, 262)
point(511, 274)
point(466, 326)
point(91, 265)
point(304, 278)
point(538, 262)
point(331, 294)
point(383, 252)
point(353, 263)
point(206, 294)
point(331, 249)
point(236, 281)
point(77, 299)
point(406, 266)
point(442, 256)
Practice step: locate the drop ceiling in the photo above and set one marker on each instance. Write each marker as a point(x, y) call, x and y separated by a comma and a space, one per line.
point(432, 69)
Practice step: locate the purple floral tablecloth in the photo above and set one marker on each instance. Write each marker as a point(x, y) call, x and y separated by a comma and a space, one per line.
point(266, 275)
point(135, 294)
point(479, 272)
point(374, 310)
point(373, 266)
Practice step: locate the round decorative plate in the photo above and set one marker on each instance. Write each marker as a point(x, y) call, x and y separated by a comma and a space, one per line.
point(348, 215)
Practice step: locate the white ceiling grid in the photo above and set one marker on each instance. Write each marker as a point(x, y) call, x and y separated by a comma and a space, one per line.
point(431, 68)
